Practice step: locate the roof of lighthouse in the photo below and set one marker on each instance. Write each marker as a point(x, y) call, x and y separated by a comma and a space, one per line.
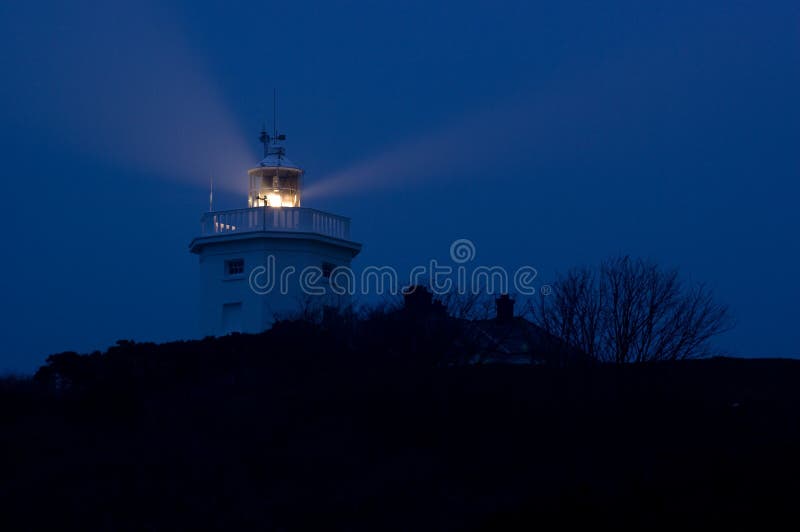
point(277, 159)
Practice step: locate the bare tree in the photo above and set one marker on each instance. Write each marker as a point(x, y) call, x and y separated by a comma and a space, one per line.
point(468, 305)
point(630, 310)
point(573, 311)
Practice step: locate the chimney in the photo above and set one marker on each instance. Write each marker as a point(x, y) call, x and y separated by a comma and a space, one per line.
point(417, 298)
point(419, 302)
point(504, 306)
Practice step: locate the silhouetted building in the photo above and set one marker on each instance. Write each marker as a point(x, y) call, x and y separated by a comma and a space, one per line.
point(504, 339)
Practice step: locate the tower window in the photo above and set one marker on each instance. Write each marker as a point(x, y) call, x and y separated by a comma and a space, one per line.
point(234, 267)
point(327, 269)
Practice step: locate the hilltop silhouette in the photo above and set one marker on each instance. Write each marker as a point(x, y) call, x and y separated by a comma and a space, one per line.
point(377, 422)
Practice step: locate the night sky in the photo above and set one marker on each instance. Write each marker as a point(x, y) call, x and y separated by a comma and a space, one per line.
point(550, 134)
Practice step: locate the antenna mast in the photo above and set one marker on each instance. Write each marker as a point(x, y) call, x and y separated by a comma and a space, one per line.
point(275, 113)
point(264, 138)
point(211, 192)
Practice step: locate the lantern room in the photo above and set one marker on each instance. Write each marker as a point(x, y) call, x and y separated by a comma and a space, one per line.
point(276, 181)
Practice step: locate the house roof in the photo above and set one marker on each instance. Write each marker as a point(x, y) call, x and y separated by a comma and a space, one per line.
point(516, 341)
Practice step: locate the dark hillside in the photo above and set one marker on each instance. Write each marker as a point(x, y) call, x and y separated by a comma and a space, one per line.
point(323, 428)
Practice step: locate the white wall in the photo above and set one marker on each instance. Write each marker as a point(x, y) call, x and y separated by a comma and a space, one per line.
point(258, 311)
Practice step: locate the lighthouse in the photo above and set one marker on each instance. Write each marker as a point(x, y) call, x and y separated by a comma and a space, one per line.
point(273, 259)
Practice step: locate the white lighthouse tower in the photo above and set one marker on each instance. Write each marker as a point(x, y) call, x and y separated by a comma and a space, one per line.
point(252, 260)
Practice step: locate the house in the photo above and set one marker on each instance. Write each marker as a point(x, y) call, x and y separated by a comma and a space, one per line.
point(504, 339)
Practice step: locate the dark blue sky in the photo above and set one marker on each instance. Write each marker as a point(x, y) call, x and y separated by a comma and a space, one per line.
point(552, 134)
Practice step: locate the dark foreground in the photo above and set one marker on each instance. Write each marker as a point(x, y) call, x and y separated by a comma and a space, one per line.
point(299, 431)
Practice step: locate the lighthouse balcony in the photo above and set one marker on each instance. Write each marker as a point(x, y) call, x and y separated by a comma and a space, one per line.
point(295, 219)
